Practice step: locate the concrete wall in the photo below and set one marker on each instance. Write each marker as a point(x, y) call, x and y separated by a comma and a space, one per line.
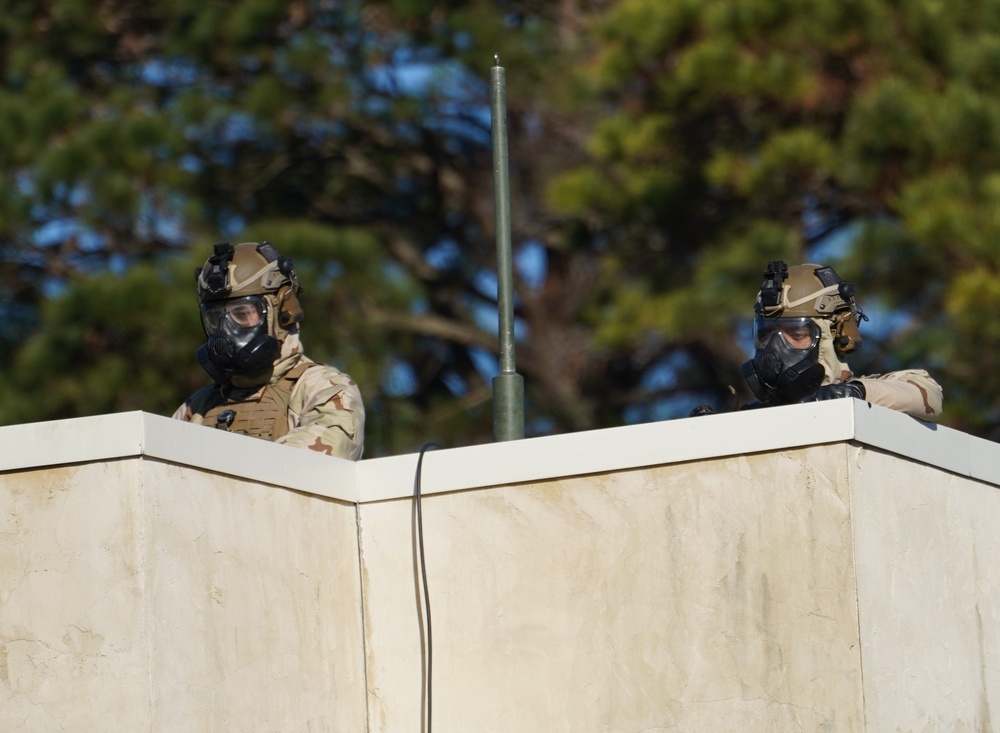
point(928, 567)
point(143, 596)
point(828, 588)
point(816, 568)
point(716, 595)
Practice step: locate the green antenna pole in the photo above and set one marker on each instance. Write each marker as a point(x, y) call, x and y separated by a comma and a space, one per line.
point(508, 387)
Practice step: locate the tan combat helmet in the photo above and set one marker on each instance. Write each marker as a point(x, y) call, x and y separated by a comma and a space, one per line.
point(252, 268)
point(812, 291)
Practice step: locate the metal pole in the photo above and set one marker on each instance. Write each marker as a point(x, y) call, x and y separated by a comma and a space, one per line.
point(508, 387)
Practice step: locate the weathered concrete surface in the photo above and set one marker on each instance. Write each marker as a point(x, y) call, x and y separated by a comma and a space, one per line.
point(716, 595)
point(177, 582)
point(929, 596)
point(138, 595)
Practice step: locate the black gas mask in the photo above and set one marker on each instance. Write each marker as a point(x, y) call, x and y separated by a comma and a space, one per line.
point(785, 367)
point(238, 342)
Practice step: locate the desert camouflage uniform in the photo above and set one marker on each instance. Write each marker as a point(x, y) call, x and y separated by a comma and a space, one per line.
point(324, 408)
point(911, 391)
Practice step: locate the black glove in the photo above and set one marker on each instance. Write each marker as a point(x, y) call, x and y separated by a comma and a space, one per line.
point(702, 410)
point(837, 391)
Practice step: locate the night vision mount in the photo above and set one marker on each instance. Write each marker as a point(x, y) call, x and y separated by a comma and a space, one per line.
point(774, 277)
point(216, 280)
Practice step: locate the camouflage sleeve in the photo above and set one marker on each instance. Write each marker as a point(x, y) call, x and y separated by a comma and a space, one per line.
point(912, 391)
point(326, 414)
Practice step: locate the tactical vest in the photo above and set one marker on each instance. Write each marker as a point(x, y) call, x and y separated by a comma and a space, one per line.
point(264, 414)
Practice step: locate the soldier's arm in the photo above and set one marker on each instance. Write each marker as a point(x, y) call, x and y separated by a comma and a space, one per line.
point(912, 391)
point(195, 406)
point(326, 414)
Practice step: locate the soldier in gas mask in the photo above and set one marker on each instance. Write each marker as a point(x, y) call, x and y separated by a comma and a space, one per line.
point(263, 385)
point(806, 322)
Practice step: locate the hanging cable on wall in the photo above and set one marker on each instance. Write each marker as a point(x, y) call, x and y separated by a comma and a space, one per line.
point(427, 646)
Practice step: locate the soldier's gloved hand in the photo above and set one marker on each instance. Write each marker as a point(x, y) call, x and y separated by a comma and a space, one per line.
point(702, 410)
point(837, 391)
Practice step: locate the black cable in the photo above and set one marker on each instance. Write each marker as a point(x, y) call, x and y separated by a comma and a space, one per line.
point(423, 573)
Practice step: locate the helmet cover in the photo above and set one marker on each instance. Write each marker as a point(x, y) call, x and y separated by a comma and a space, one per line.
point(812, 291)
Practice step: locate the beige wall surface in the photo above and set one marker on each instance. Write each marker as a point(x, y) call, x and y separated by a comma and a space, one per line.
point(139, 595)
point(72, 639)
point(166, 579)
point(928, 568)
point(706, 596)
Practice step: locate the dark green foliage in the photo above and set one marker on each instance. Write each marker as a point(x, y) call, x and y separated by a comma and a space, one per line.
point(661, 154)
point(745, 131)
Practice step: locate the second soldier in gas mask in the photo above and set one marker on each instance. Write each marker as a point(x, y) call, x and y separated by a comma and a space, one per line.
point(806, 323)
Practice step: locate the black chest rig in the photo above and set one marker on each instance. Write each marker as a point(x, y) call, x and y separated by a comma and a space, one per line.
point(261, 414)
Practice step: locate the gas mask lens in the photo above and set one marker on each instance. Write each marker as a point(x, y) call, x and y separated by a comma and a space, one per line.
point(240, 312)
point(798, 334)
